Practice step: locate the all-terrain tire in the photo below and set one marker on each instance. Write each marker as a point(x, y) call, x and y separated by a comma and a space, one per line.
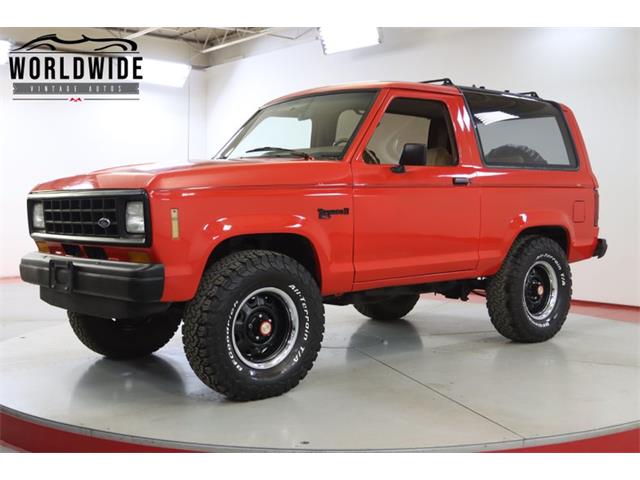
point(210, 331)
point(507, 291)
point(122, 339)
point(390, 308)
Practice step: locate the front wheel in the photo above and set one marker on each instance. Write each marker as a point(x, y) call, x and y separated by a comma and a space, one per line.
point(529, 298)
point(255, 327)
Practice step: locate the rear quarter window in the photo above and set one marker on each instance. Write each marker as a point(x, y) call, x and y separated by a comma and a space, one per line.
point(520, 132)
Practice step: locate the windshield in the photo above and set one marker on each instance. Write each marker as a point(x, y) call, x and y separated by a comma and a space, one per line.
point(312, 127)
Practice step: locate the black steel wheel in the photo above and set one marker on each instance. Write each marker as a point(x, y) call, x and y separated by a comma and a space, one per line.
point(265, 327)
point(540, 290)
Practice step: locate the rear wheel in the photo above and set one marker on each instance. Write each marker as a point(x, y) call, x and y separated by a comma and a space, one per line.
point(255, 327)
point(529, 298)
point(389, 308)
point(126, 338)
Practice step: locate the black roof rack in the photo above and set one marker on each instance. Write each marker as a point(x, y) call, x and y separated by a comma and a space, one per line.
point(444, 81)
point(531, 94)
point(447, 81)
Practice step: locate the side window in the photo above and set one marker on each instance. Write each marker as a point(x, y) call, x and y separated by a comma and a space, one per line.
point(520, 132)
point(409, 120)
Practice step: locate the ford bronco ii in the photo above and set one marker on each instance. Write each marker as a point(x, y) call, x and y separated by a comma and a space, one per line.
point(364, 194)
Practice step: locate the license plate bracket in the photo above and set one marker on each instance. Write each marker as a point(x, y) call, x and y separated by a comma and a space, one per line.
point(61, 273)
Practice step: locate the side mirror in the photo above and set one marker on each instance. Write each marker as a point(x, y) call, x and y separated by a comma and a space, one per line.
point(412, 154)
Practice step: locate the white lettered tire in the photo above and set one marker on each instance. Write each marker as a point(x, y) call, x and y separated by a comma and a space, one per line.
point(255, 327)
point(529, 298)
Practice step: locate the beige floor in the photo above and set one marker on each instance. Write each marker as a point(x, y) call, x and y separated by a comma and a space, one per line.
point(441, 379)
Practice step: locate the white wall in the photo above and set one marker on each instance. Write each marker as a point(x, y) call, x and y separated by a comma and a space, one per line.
point(46, 140)
point(595, 72)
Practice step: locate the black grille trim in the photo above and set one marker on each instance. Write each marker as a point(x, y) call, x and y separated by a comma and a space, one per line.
point(73, 216)
point(80, 216)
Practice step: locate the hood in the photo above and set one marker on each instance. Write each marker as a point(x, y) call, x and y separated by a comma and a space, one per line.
point(212, 173)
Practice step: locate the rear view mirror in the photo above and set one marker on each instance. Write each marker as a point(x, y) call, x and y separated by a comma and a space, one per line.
point(412, 154)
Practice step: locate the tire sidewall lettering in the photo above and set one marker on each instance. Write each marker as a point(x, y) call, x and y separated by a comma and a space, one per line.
point(555, 263)
point(303, 332)
point(230, 352)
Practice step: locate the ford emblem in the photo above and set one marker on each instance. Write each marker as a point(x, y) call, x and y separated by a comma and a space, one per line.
point(104, 222)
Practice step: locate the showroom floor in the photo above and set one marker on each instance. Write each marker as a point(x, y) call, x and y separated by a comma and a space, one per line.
point(442, 379)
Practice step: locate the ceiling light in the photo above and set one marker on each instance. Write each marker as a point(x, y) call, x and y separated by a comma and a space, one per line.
point(160, 72)
point(339, 39)
point(5, 46)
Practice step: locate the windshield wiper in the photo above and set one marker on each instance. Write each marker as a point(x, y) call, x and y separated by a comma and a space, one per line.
point(293, 152)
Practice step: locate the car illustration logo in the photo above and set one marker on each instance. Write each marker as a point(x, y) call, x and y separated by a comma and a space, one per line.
point(104, 222)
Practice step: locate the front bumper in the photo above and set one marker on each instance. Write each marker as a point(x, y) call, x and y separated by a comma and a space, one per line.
point(101, 288)
point(601, 248)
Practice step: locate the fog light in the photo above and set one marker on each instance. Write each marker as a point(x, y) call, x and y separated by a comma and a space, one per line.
point(37, 216)
point(135, 217)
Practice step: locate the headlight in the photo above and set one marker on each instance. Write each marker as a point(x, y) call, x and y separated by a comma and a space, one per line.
point(37, 215)
point(135, 217)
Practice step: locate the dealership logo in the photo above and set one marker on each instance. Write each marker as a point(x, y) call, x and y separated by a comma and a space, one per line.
point(52, 68)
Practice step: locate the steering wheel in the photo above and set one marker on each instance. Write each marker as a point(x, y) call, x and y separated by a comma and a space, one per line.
point(371, 157)
point(339, 141)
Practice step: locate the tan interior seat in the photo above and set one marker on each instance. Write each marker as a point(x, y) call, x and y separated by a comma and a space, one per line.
point(438, 156)
point(439, 144)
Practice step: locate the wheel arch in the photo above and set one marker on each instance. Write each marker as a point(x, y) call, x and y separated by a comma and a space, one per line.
point(557, 233)
point(294, 245)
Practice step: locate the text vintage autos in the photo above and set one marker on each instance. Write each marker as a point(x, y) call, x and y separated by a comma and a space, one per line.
point(366, 194)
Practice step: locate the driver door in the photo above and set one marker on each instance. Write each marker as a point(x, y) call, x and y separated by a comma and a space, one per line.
point(414, 221)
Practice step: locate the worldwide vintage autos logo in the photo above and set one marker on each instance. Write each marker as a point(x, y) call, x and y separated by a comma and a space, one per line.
point(52, 68)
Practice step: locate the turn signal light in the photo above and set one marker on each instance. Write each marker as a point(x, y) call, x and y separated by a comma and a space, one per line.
point(139, 257)
point(175, 224)
point(42, 247)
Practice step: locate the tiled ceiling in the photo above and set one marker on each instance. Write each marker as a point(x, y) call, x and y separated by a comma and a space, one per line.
point(201, 38)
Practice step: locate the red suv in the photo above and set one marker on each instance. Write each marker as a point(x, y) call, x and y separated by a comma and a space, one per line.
point(364, 194)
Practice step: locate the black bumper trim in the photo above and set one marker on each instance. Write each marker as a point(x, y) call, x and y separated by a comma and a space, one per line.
point(96, 287)
point(601, 248)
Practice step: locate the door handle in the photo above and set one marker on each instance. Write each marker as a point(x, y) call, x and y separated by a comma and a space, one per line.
point(461, 180)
